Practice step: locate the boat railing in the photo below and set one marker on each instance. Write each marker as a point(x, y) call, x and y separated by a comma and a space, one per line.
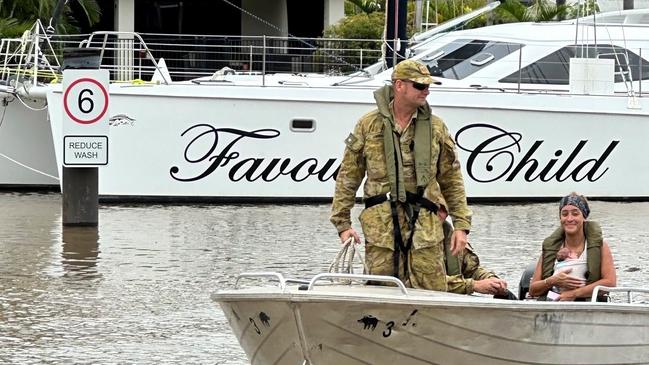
point(627, 290)
point(127, 54)
point(281, 280)
point(358, 277)
point(310, 284)
point(136, 56)
point(27, 60)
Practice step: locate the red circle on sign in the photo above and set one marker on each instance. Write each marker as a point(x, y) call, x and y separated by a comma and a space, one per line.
point(65, 101)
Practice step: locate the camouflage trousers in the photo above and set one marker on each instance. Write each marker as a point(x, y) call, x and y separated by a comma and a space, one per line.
point(426, 268)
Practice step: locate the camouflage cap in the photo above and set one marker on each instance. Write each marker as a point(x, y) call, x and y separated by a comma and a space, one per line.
point(414, 71)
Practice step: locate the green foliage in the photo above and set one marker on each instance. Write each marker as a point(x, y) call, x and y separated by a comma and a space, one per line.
point(589, 8)
point(447, 10)
point(539, 11)
point(16, 16)
point(366, 28)
point(359, 26)
point(364, 6)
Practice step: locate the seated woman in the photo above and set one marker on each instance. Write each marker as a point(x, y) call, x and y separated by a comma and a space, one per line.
point(575, 258)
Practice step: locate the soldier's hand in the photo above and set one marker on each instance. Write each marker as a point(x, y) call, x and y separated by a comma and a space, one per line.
point(458, 242)
point(346, 234)
point(493, 286)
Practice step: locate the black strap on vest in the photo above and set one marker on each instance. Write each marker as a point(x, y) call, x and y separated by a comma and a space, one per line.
point(411, 198)
point(417, 201)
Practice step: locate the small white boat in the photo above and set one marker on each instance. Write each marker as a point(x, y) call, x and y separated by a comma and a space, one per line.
point(321, 321)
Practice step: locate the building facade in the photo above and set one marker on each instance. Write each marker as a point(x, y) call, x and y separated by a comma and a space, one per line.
point(298, 18)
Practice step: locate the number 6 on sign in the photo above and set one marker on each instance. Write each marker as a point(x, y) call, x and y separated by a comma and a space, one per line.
point(85, 100)
point(85, 117)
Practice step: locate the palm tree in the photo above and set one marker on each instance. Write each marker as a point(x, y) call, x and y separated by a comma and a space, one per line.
point(16, 16)
point(539, 11)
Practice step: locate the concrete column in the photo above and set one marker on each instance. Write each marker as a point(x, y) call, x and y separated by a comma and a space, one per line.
point(334, 10)
point(125, 15)
point(272, 11)
point(124, 22)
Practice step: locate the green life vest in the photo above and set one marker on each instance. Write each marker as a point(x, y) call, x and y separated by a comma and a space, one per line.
point(392, 147)
point(453, 265)
point(553, 243)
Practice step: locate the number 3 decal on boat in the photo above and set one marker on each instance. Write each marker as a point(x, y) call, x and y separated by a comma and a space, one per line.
point(388, 329)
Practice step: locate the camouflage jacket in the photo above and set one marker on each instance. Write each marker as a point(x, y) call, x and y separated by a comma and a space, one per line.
point(364, 155)
point(471, 270)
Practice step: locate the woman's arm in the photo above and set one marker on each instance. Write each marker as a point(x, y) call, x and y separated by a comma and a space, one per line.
point(608, 277)
point(538, 287)
point(562, 280)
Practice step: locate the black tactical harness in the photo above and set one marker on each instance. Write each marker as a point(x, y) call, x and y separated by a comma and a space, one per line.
point(416, 201)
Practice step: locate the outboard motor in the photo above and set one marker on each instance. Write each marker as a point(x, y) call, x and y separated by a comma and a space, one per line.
point(524, 284)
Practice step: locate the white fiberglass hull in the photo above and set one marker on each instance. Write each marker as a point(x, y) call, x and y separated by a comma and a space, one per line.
point(26, 150)
point(223, 141)
point(340, 324)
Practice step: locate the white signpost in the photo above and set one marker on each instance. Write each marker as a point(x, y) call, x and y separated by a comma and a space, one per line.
point(85, 118)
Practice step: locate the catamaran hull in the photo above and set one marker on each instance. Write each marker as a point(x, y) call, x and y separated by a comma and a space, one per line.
point(216, 141)
point(26, 151)
point(332, 326)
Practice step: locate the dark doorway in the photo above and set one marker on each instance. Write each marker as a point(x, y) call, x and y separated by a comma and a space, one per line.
point(187, 16)
point(305, 18)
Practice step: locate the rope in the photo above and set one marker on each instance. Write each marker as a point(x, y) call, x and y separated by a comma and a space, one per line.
point(28, 167)
point(344, 261)
point(5, 104)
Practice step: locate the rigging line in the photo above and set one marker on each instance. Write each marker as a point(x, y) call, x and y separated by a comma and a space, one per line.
point(354, 67)
point(28, 167)
point(628, 84)
point(628, 66)
point(30, 107)
point(629, 87)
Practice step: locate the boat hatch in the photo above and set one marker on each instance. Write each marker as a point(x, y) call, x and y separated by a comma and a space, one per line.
point(463, 57)
point(482, 59)
point(302, 125)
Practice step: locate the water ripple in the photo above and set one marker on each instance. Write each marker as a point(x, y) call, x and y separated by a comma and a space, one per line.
point(136, 289)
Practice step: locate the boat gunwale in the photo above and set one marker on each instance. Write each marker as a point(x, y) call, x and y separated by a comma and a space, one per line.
point(293, 294)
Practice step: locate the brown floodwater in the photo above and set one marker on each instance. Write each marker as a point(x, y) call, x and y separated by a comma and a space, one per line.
point(136, 289)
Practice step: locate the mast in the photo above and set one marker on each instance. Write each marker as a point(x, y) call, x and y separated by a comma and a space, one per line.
point(51, 27)
point(395, 31)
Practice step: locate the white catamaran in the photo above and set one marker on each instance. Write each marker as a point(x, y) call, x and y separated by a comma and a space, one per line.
point(536, 110)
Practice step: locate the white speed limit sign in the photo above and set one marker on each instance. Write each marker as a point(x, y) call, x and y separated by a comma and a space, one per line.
point(85, 117)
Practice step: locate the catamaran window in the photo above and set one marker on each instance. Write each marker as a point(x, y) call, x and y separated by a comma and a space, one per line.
point(555, 68)
point(463, 57)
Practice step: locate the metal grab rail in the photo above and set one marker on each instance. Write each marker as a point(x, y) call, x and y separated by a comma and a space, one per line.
point(622, 289)
point(359, 277)
point(270, 274)
point(264, 274)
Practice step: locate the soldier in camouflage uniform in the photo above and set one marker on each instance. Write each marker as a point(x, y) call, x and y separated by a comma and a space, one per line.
point(411, 163)
point(464, 273)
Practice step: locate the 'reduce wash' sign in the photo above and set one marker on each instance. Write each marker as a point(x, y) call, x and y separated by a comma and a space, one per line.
point(85, 118)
